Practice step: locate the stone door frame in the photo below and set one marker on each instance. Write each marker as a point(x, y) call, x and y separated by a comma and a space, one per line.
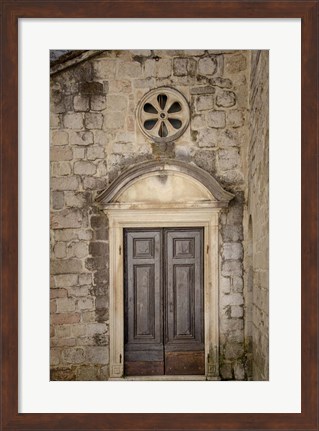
point(155, 194)
point(206, 218)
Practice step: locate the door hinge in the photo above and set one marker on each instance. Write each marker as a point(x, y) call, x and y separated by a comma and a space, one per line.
point(207, 249)
point(120, 250)
point(120, 358)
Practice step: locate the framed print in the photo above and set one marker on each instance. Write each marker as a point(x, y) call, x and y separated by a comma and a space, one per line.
point(154, 246)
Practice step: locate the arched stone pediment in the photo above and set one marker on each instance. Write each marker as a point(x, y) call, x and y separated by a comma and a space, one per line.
point(164, 183)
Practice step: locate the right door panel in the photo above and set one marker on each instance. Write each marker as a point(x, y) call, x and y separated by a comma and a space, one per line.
point(184, 319)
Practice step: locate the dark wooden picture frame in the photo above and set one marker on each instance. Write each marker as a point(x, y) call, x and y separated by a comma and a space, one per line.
point(11, 12)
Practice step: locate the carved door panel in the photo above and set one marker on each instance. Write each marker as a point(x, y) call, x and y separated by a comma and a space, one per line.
point(184, 335)
point(144, 353)
point(164, 302)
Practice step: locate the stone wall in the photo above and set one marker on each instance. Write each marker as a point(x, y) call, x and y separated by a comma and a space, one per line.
point(94, 136)
point(256, 219)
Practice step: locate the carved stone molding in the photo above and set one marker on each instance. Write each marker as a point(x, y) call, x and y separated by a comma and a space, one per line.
point(209, 192)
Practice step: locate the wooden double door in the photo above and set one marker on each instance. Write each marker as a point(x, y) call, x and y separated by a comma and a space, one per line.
point(164, 302)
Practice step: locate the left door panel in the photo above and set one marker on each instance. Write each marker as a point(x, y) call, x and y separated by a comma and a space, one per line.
point(143, 348)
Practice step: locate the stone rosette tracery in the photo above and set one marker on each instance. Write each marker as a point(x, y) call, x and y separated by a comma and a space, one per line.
point(163, 114)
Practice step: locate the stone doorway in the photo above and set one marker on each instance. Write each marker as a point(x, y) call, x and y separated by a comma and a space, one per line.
point(164, 194)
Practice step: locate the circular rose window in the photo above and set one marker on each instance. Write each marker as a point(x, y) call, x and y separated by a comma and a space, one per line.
point(163, 114)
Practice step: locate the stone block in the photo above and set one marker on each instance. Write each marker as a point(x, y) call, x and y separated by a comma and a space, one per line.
point(63, 331)
point(78, 153)
point(54, 357)
point(75, 199)
point(163, 67)
point(85, 279)
point(60, 250)
point(91, 88)
point(104, 373)
point(227, 325)
point(216, 119)
point(237, 284)
point(66, 234)
point(59, 138)
point(231, 299)
point(232, 233)
point(93, 120)
point(203, 90)
point(141, 52)
point(85, 304)
point(226, 371)
point(225, 284)
point(60, 154)
point(58, 293)
point(228, 159)
point(65, 318)
point(68, 266)
point(87, 373)
point(235, 213)
point(114, 120)
point(74, 355)
point(63, 342)
point(195, 52)
point(98, 221)
point(81, 103)
point(55, 121)
point(239, 371)
point(84, 168)
point(65, 305)
point(95, 152)
point(98, 248)
point(236, 311)
point(78, 249)
point(207, 66)
point(67, 218)
point(226, 99)
point(229, 138)
point(98, 102)
point(231, 268)
point(104, 69)
point(207, 138)
point(205, 159)
point(60, 169)
point(81, 138)
point(78, 291)
point(235, 118)
point(198, 122)
point(235, 63)
point(73, 121)
point(85, 234)
point(120, 86)
point(97, 355)
point(93, 329)
point(233, 350)
point(180, 66)
point(232, 251)
point(116, 102)
point(53, 307)
point(66, 280)
point(57, 200)
point(63, 374)
point(204, 102)
point(184, 67)
point(90, 183)
point(221, 82)
point(101, 302)
point(129, 70)
point(95, 263)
